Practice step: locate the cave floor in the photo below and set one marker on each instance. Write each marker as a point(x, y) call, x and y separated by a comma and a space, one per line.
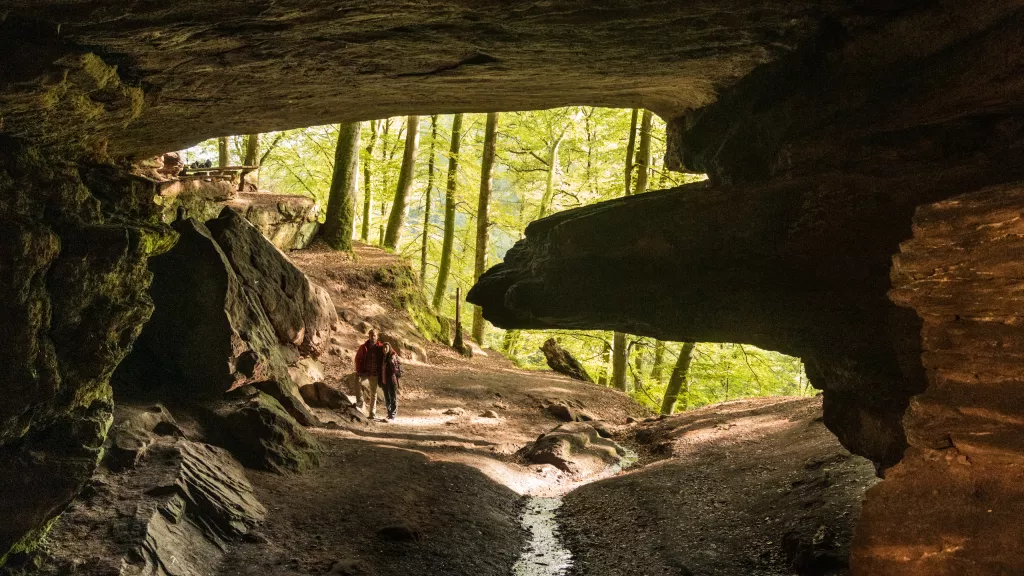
point(440, 490)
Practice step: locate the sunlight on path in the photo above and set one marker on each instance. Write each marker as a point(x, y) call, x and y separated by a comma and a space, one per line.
point(545, 555)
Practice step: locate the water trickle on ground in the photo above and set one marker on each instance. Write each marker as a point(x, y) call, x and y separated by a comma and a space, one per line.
point(545, 555)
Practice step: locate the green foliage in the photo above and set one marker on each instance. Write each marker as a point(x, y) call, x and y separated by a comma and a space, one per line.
point(588, 148)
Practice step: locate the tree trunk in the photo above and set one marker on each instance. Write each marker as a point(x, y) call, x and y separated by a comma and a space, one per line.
point(643, 154)
point(619, 355)
point(659, 358)
point(367, 190)
point(341, 203)
point(449, 212)
point(426, 202)
point(380, 230)
point(252, 147)
point(629, 153)
point(458, 343)
point(222, 152)
point(482, 219)
point(678, 386)
point(405, 177)
point(620, 359)
point(549, 189)
point(638, 373)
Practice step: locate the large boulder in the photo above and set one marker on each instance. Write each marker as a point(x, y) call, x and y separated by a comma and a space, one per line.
point(230, 310)
point(561, 361)
point(261, 434)
point(577, 448)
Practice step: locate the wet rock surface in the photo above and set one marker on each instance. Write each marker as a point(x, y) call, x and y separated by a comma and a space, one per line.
point(576, 448)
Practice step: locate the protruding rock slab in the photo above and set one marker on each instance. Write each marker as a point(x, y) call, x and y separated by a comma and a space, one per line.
point(577, 448)
point(954, 504)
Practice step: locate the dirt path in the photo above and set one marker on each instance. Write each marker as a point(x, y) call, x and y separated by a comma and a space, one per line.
point(441, 490)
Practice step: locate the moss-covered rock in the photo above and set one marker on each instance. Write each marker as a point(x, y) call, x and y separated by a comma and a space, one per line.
point(262, 435)
point(74, 242)
point(408, 295)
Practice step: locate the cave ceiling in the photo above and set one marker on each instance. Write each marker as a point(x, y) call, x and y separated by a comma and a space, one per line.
point(144, 77)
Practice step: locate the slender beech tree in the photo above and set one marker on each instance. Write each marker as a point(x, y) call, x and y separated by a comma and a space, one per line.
point(426, 202)
point(482, 219)
point(630, 148)
point(549, 186)
point(678, 386)
point(341, 203)
point(643, 154)
point(620, 355)
point(405, 177)
point(659, 359)
point(449, 212)
point(367, 190)
point(222, 152)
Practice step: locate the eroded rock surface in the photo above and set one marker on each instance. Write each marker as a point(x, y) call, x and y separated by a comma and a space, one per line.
point(577, 448)
point(171, 512)
point(953, 505)
point(230, 310)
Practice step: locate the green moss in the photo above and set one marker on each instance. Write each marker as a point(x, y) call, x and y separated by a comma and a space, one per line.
point(408, 294)
point(30, 541)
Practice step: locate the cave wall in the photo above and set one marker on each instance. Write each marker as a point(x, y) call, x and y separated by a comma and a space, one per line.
point(74, 239)
point(953, 504)
point(822, 125)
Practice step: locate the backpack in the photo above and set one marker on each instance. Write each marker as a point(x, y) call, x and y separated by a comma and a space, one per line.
point(398, 366)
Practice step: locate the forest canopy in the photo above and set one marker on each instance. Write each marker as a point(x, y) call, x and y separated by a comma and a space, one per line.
point(543, 162)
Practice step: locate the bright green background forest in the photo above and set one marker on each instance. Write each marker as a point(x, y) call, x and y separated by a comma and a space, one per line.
point(544, 162)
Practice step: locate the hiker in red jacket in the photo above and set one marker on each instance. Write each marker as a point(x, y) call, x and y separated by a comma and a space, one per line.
point(369, 358)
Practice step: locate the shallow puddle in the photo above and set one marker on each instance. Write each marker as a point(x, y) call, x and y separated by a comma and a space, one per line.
point(544, 555)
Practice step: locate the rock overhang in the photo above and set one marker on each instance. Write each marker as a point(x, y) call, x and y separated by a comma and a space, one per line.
point(176, 74)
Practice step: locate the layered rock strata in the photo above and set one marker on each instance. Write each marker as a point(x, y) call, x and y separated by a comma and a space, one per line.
point(172, 509)
point(231, 310)
point(953, 504)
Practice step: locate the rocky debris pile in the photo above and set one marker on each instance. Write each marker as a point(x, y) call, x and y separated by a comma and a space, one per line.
point(561, 361)
point(162, 505)
point(578, 448)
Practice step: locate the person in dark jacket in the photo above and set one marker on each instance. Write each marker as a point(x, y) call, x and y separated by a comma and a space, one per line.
point(390, 373)
point(368, 362)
